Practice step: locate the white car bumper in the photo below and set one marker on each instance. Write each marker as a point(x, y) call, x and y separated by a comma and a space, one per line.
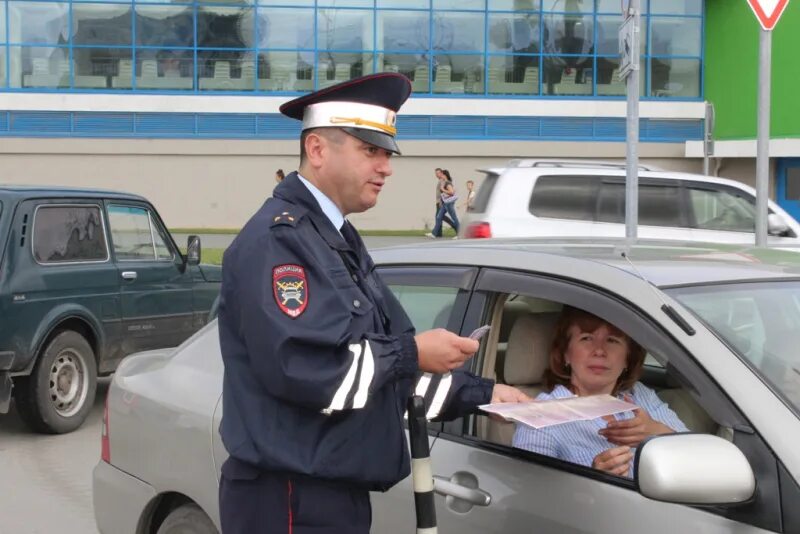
point(119, 499)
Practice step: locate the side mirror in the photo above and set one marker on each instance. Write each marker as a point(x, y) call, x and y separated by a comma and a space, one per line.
point(193, 250)
point(693, 469)
point(776, 225)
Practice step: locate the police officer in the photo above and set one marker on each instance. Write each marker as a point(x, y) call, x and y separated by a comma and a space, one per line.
point(319, 356)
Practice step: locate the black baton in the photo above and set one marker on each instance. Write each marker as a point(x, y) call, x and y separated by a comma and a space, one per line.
point(421, 473)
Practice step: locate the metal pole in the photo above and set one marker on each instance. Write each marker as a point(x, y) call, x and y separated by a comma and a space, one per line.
point(762, 146)
point(421, 472)
point(632, 135)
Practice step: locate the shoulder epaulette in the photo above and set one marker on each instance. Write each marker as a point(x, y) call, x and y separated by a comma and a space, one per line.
point(287, 217)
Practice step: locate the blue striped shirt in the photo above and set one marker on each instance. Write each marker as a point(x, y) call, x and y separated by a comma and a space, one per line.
point(578, 442)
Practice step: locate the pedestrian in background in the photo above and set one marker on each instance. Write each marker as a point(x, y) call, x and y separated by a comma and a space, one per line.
point(279, 176)
point(320, 358)
point(469, 200)
point(441, 179)
point(447, 209)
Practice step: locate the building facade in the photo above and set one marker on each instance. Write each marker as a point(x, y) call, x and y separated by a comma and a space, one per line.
point(179, 100)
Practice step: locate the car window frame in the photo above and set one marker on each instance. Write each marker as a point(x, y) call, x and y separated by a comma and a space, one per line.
point(69, 203)
point(457, 277)
point(155, 224)
point(682, 365)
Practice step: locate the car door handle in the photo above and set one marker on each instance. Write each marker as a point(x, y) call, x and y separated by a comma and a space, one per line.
point(129, 275)
point(445, 486)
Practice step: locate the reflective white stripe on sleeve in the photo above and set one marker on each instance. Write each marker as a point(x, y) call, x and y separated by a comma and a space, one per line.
point(340, 396)
point(367, 372)
point(422, 385)
point(440, 396)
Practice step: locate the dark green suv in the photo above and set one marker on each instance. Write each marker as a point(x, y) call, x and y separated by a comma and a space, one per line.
point(86, 278)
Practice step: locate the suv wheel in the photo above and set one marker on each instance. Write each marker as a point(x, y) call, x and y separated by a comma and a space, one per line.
point(57, 397)
point(186, 519)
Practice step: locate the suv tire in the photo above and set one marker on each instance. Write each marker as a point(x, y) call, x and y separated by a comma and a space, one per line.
point(58, 395)
point(185, 519)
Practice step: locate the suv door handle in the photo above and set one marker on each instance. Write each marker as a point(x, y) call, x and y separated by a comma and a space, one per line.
point(451, 487)
point(129, 275)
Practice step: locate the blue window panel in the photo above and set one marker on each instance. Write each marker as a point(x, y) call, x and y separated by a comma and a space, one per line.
point(672, 130)
point(101, 124)
point(567, 127)
point(513, 127)
point(457, 127)
point(40, 122)
point(278, 127)
point(157, 124)
point(610, 128)
point(413, 126)
point(3, 121)
point(226, 125)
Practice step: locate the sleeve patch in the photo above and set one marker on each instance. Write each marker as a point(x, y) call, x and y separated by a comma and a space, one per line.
point(290, 288)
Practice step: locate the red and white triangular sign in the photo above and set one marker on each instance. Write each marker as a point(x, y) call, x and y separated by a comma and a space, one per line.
point(768, 11)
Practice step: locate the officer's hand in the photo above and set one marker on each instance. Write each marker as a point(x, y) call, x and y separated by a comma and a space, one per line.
point(441, 351)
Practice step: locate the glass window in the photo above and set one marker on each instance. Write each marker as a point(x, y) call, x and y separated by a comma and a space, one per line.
point(225, 27)
point(660, 205)
point(344, 3)
point(135, 236)
point(2, 25)
point(39, 67)
point(101, 24)
point(459, 4)
point(170, 69)
point(761, 322)
point(427, 307)
point(611, 203)
point(3, 77)
point(403, 30)
point(514, 32)
point(96, 68)
point(344, 29)
point(453, 31)
point(675, 77)
point(608, 81)
point(335, 67)
point(285, 28)
point(410, 4)
point(514, 5)
point(677, 7)
point(513, 75)
point(715, 209)
point(414, 66)
point(69, 234)
point(221, 70)
point(607, 34)
point(564, 197)
point(285, 71)
point(568, 75)
point(287, 2)
point(38, 22)
point(165, 25)
point(792, 183)
point(675, 36)
point(458, 73)
point(568, 34)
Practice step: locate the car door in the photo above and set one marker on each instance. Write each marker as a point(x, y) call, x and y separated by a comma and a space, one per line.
point(156, 288)
point(529, 492)
point(433, 297)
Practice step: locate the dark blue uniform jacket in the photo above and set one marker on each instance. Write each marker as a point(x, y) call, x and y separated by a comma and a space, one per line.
point(319, 356)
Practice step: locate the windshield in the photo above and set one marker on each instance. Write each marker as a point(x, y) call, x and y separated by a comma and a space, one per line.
point(761, 322)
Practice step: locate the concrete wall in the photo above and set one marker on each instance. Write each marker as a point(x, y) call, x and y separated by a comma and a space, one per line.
point(220, 183)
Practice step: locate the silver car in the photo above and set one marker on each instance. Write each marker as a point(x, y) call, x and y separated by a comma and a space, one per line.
point(721, 325)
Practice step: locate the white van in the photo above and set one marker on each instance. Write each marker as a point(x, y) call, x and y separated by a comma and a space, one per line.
point(539, 198)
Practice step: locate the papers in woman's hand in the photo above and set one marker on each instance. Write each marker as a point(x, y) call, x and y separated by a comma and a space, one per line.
point(540, 414)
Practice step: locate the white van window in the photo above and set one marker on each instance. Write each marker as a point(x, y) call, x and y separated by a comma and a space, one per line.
point(564, 197)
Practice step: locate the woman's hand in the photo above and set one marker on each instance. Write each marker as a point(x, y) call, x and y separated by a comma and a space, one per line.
point(504, 393)
point(632, 432)
point(614, 461)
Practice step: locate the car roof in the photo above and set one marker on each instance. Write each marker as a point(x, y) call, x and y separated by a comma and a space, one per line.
point(661, 262)
point(41, 191)
point(540, 167)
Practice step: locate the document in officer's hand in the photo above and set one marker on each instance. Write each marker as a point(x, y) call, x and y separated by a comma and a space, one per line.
point(540, 414)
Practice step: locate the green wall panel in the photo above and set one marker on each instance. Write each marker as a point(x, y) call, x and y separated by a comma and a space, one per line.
point(731, 70)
